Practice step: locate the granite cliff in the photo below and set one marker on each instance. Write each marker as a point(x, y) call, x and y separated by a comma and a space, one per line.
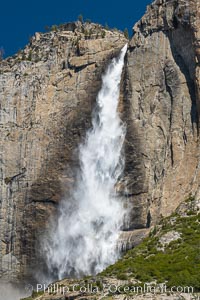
point(161, 107)
point(47, 93)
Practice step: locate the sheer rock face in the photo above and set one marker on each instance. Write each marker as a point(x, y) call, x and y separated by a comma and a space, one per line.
point(47, 92)
point(161, 105)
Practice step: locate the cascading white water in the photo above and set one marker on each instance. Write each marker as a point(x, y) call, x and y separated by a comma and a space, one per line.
point(85, 237)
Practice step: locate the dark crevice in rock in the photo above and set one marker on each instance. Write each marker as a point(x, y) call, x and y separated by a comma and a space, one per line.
point(11, 179)
point(180, 61)
point(128, 195)
point(172, 154)
point(148, 220)
point(155, 177)
point(185, 138)
point(80, 68)
point(45, 201)
point(169, 90)
point(175, 22)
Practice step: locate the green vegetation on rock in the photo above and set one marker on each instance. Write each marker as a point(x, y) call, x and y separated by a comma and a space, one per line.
point(176, 263)
point(170, 255)
point(34, 295)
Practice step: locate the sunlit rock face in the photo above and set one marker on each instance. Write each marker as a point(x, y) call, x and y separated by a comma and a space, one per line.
point(83, 238)
point(161, 106)
point(47, 95)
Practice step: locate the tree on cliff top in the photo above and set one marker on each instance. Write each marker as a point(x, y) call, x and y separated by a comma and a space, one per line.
point(80, 18)
point(2, 52)
point(126, 34)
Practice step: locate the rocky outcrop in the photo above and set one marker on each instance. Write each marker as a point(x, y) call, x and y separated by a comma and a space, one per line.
point(131, 238)
point(47, 93)
point(161, 106)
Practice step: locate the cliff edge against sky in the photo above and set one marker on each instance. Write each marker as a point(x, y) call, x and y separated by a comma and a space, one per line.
point(47, 93)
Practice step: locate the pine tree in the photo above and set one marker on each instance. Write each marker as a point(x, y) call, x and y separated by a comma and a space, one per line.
point(80, 18)
point(2, 52)
point(106, 26)
point(126, 33)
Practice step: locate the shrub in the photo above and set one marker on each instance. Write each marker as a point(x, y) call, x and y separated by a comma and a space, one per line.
point(103, 34)
point(122, 276)
point(8, 180)
point(2, 52)
point(54, 28)
point(106, 26)
point(47, 28)
point(178, 265)
point(29, 56)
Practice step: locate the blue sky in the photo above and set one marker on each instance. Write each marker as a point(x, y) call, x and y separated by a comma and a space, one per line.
point(21, 19)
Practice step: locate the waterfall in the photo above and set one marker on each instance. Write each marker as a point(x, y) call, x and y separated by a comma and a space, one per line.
point(84, 240)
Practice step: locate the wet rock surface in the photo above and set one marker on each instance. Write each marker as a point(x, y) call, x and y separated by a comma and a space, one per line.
point(47, 94)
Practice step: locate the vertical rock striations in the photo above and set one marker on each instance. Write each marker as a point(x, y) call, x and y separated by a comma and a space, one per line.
point(47, 92)
point(162, 107)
